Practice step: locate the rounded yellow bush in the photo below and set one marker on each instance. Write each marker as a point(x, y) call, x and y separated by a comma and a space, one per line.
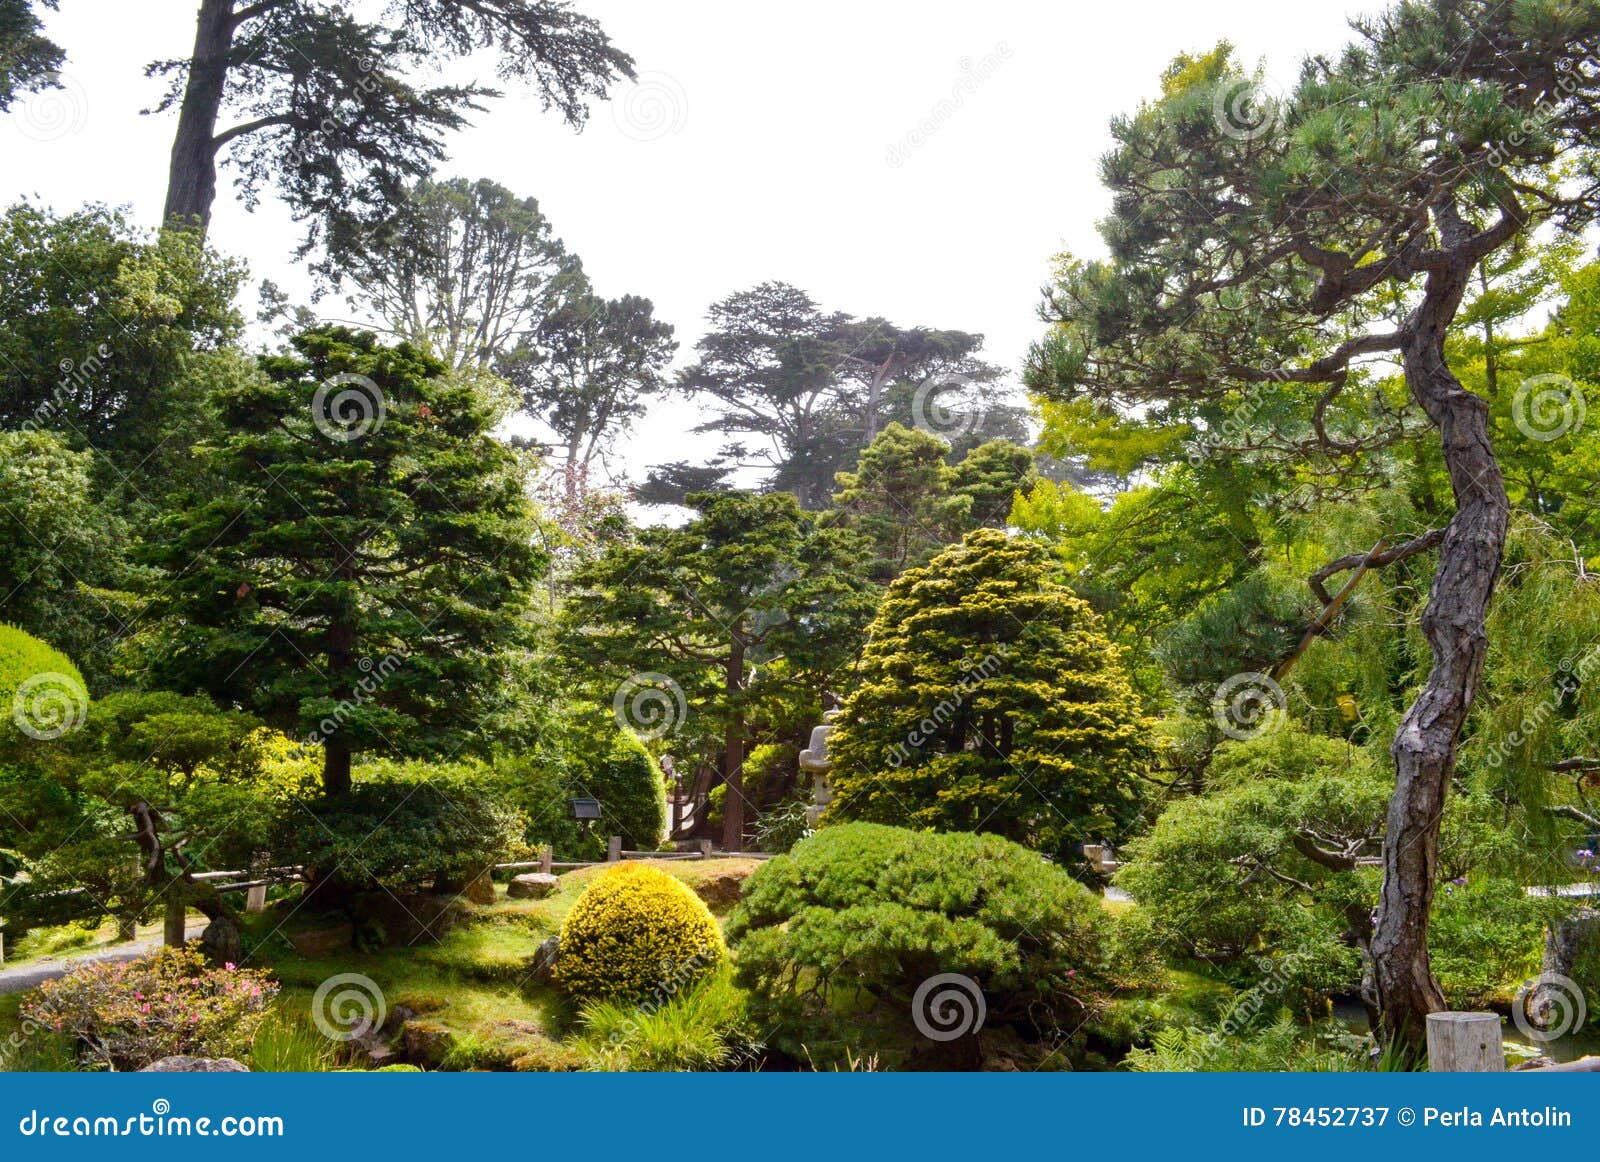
point(637, 934)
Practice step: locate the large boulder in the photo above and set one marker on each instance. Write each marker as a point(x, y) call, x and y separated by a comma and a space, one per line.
point(533, 886)
point(221, 942)
point(196, 1065)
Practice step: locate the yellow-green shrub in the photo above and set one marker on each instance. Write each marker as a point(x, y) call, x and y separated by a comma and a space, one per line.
point(636, 934)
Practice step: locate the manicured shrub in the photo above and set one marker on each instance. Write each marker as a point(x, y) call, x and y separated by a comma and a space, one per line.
point(636, 934)
point(405, 826)
point(1486, 937)
point(990, 699)
point(834, 940)
point(125, 1016)
point(42, 694)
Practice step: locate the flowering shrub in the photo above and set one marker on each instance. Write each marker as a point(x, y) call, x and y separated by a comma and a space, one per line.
point(127, 1015)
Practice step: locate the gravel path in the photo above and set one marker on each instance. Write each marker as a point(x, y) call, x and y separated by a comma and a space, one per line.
point(32, 975)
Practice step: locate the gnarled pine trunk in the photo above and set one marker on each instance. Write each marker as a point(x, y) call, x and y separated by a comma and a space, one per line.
point(1424, 747)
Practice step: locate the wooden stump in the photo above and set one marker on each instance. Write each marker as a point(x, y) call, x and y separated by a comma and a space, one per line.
point(1465, 1043)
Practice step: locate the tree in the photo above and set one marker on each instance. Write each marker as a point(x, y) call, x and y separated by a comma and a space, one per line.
point(818, 386)
point(462, 269)
point(748, 587)
point(1261, 250)
point(29, 60)
point(588, 368)
point(323, 107)
point(359, 569)
point(989, 699)
point(58, 541)
point(111, 340)
point(768, 363)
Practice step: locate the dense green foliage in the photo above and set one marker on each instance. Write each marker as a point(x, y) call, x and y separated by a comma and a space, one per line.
point(989, 699)
point(834, 939)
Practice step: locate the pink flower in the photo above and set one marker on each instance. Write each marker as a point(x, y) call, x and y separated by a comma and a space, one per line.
point(1072, 972)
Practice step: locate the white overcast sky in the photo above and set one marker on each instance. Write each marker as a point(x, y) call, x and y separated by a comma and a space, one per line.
point(756, 146)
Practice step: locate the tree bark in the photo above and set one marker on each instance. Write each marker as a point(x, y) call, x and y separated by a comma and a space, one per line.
point(192, 178)
point(733, 753)
point(1424, 747)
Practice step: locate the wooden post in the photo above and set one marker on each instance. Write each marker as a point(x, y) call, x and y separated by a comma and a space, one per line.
point(255, 900)
point(1465, 1043)
point(705, 848)
point(614, 849)
point(176, 925)
point(547, 856)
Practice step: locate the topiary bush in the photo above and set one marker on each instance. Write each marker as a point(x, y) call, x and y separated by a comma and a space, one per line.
point(834, 940)
point(636, 934)
point(126, 1015)
point(42, 694)
point(990, 699)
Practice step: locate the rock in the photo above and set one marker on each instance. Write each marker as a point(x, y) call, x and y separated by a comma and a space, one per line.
point(407, 918)
point(427, 1043)
point(317, 943)
point(533, 886)
point(480, 889)
point(542, 965)
point(722, 890)
point(195, 1065)
point(220, 942)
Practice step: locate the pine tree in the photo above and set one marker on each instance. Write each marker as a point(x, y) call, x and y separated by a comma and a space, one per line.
point(990, 699)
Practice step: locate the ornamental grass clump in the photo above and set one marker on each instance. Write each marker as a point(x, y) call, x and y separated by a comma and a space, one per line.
point(127, 1015)
point(637, 934)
